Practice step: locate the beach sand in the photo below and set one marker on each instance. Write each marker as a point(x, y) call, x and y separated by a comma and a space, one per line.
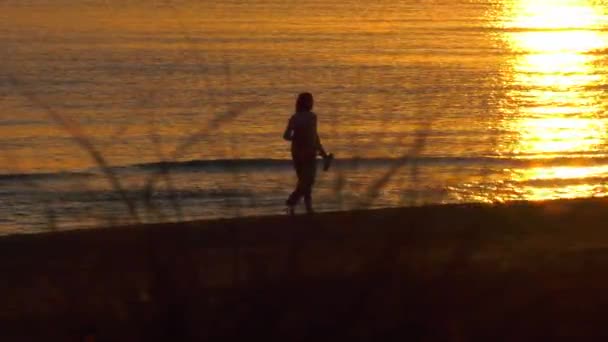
point(517, 271)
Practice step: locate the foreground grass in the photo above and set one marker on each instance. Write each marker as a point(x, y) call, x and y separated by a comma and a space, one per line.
point(523, 271)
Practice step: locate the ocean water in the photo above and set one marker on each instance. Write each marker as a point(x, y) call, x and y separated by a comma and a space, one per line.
point(114, 111)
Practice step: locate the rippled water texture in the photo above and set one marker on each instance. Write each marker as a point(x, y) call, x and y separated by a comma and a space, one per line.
point(497, 100)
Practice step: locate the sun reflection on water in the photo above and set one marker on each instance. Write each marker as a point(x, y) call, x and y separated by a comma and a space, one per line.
point(556, 92)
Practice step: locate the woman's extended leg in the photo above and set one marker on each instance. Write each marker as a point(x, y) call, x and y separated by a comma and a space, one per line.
point(294, 197)
point(310, 172)
point(306, 171)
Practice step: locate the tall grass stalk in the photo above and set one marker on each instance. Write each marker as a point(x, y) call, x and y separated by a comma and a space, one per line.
point(374, 189)
point(79, 136)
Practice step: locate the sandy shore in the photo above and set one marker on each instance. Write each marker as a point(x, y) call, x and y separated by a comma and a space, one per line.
point(520, 271)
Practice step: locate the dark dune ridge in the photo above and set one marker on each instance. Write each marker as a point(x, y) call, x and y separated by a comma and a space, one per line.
point(517, 271)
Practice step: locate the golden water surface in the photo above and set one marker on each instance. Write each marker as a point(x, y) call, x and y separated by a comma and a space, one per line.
point(507, 97)
point(557, 103)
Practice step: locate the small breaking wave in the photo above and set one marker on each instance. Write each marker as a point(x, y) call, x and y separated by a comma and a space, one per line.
point(237, 165)
point(348, 163)
point(41, 176)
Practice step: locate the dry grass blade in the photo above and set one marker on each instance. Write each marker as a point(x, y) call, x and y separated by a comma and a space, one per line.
point(373, 190)
point(192, 140)
point(338, 189)
point(166, 176)
point(78, 135)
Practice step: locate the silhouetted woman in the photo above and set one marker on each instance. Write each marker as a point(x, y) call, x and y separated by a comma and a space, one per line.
point(305, 144)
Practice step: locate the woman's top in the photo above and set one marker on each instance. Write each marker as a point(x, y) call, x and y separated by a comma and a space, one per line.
point(302, 132)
